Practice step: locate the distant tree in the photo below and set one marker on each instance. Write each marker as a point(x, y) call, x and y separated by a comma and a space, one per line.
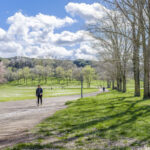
point(2, 72)
point(88, 73)
point(76, 73)
point(9, 74)
point(68, 76)
point(60, 73)
point(46, 73)
point(39, 72)
point(6, 62)
point(19, 74)
point(33, 74)
point(82, 62)
point(26, 73)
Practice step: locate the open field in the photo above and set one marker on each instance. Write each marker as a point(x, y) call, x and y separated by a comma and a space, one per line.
point(12, 93)
point(109, 121)
point(54, 82)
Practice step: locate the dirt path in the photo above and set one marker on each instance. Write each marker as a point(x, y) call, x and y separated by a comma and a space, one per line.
point(18, 117)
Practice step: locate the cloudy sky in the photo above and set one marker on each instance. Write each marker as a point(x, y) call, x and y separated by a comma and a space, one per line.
point(48, 28)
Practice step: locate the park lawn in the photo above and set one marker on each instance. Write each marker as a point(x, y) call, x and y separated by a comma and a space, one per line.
point(109, 121)
point(13, 93)
point(53, 82)
point(130, 84)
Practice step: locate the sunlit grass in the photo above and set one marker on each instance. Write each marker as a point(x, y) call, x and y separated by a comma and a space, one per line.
point(53, 82)
point(114, 121)
point(13, 93)
point(130, 84)
point(15, 90)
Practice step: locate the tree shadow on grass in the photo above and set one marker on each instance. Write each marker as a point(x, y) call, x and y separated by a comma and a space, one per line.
point(111, 117)
point(124, 124)
point(124, 121)
point(36, 146)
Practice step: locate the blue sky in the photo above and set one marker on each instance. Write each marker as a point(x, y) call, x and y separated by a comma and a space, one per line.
point(53, 28)
point(33, 7)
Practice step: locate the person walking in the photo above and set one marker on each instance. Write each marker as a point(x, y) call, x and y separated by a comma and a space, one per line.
point(103, 89)
point(39, 94)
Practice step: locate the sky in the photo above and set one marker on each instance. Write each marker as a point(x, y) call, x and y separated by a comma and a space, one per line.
point(48, 28)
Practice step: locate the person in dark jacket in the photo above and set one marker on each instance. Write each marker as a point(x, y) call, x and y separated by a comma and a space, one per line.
point(39, 94)
point(103, 89)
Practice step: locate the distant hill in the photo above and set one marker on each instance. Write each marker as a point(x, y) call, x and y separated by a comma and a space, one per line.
point(21, 62)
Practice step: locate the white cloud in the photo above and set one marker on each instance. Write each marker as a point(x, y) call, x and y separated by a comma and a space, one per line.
point(38, 22)
point(67, 38)
point(86, 51)
point(48, 51)
point(32, 36)
point(90, 13)
point(10, 49)
point(24, 27)
point(35, 36)
point(2, 34)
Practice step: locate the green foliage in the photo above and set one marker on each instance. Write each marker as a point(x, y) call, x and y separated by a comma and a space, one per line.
point(82, 62)
point(88, 73)
point(60, 72)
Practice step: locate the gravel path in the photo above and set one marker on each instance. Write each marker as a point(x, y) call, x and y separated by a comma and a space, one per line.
point(18, 117)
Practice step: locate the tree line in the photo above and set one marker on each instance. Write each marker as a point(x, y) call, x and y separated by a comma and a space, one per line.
point(124, 34)
point(42, 71)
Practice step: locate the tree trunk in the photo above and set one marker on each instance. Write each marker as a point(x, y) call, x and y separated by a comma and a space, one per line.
point(120, 84)
point(113, 85)
point(136, 62)
point(136, 72)
point(45, 80)
point(148, 48)
point(124, 83)
point(145, 52)
point(108, 84)
point(146, 68)
point(124, 74)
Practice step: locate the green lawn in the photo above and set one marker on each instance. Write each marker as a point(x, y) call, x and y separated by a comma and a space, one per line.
point(15, 90)
point(13, 93)
point(109, 121)
point(55, 83)
point(130, 84)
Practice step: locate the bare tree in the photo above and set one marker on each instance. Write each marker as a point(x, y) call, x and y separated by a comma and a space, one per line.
point(137, 13)
point(116, 47)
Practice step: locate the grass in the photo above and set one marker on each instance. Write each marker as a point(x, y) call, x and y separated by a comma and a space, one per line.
point(14, 93)
point(20, 91)
point(109, 121)
point(130, 84)
point(55, 83)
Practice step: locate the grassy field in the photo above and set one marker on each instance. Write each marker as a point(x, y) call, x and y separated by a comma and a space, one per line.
point(13, 93)
point(15, 90)
point(55, 83)
point(20, 91)
point(130, 84)
point(109, 121)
